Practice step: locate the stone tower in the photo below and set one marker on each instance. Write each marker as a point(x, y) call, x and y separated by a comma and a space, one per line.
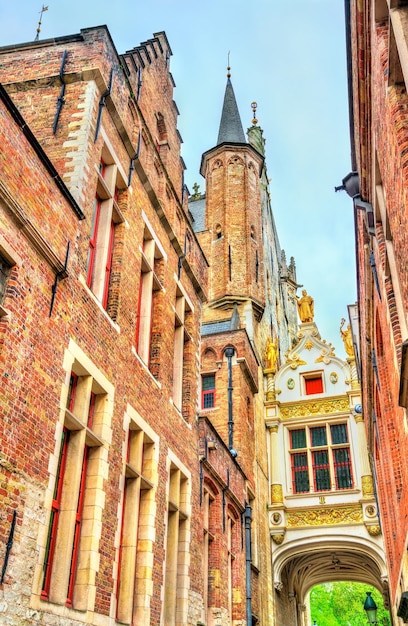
point(251, 298)
point(233, 241)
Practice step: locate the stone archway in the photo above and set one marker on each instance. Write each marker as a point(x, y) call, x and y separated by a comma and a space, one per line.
point(301, 565)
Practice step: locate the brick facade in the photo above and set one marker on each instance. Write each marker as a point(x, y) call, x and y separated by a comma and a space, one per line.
point(378, 96)
point(136, 139)
point(125, 501)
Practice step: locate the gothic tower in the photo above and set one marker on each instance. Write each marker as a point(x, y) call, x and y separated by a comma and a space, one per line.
point(249, 302)
point(233, 228)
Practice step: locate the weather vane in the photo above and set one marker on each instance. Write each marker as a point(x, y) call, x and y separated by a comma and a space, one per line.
point(254, 107)
point(228, 67)
point(44, 8)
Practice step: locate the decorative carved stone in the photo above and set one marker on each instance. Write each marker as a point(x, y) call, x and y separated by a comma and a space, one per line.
point(367, 486)
point(276, 494)
point(374, 530)
point(315, 407)
point(325, 516)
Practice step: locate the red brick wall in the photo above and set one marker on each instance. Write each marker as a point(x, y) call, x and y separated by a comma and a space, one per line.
point(33, 344)
point(380, 327)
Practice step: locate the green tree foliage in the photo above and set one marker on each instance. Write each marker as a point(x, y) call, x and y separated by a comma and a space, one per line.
point(341, 604)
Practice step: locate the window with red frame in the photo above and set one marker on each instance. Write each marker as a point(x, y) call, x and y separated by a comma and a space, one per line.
point(137, 511)
point(321, 458)
point(105, 219)
point(149, 287)
point(54, 518)
point(208, 391)
point(93, 241)
point(80, 399)
point(108, 269)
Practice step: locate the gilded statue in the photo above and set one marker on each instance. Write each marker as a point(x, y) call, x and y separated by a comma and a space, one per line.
point(271, 355)
point(305, 307)
point(347, 338)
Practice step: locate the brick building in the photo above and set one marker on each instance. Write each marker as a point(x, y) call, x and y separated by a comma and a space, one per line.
point(102, 288)
point(378, 73)
point(121, 503)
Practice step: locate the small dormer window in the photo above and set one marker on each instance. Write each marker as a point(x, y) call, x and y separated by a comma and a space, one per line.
point(313, 384)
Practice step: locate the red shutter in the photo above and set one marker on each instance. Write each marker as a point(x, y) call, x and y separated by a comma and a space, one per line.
point(313, 385)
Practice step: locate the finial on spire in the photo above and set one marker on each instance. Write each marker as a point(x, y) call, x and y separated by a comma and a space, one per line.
point(228, 67)
point(254, 107)
point(44, 8)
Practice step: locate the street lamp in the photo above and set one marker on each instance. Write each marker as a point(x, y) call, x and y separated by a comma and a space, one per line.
point(370, 608)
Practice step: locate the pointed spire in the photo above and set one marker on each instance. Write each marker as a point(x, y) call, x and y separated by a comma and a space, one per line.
point(231, 129)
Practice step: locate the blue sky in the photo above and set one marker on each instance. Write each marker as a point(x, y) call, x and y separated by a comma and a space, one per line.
point(288, 57)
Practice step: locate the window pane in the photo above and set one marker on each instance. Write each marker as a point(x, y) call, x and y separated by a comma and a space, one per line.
point(298, 438)
point(339, 433)
point(4, 274)
point(208, 391)
point(342, 468)
point(318, 435)
point(300, 474)
point(208, 399)
point(321, 471)
point(208, 382)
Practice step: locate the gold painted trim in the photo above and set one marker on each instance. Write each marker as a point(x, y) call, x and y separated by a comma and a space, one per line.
point(276, 494)
point(315, 407)
point(332, 516)
point(367, 486)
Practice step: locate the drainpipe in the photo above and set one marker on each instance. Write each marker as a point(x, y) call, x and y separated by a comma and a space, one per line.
point(61, 100)
point(229, 353)
point(248, 558)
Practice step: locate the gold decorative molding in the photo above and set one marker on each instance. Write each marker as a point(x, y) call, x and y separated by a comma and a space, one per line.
point(332, 516)
point(367, 486)
point(278, 538)
point(371, 511)
point(294, 360)
point(374, 530)
point(276, 494)
point(315, 407)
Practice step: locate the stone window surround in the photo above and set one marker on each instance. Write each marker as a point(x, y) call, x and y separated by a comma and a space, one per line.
point(98, 440)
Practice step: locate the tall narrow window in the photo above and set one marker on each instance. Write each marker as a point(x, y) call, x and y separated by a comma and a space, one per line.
point(7, 263)
point(321, 470)
point(106, 216)
point(208, 538)
point(300, 472)
point(208, 391)
point(149, 286)
point(181, 336)
point(55, 511)
point(5, 268)
point(232, 530)
point(92, 241)
point(136, 511)
point(66, 551)
point(177, 543)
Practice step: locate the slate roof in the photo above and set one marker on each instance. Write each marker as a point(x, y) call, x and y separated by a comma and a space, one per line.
point(197, 210)
point(231, 130)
